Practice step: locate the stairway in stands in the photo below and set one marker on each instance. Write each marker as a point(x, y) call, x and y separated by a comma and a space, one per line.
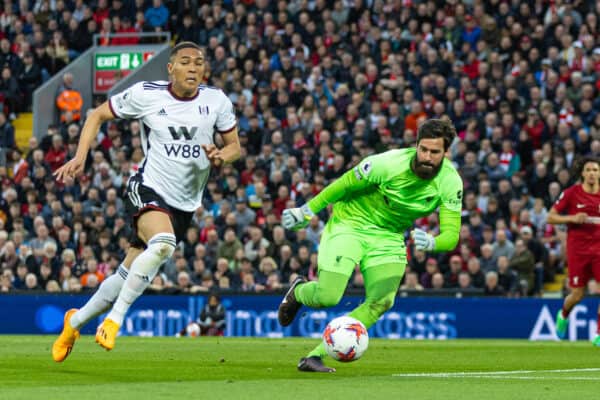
point(557, 285)
point(23, 129)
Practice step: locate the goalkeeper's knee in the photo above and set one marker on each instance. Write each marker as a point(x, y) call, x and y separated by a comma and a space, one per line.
point(327, 297)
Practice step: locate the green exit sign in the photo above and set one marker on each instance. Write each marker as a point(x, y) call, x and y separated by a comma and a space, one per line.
point(120, 61)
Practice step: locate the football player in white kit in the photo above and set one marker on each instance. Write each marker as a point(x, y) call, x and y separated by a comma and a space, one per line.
point(179, 118)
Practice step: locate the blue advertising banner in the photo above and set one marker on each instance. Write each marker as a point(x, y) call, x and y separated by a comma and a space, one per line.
point(254, 315)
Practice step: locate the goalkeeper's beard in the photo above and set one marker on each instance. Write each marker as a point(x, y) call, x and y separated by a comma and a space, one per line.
point(425, 170)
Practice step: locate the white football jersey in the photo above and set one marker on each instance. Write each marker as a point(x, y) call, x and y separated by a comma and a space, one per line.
point(173, 129)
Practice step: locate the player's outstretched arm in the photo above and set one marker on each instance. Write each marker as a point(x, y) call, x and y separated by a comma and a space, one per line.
point(297, 218)
point(338, 189)
point(90, 129)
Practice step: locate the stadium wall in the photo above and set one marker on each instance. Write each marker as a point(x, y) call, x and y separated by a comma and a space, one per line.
point(44, 97)
point(256, 315)
point(82, 68)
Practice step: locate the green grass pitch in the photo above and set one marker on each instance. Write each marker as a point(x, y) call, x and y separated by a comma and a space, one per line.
point(249, 368)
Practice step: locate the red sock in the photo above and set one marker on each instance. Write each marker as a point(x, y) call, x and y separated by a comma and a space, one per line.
point(565, 313)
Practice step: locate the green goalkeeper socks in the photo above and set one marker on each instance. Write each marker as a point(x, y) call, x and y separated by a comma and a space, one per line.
point(326, 292)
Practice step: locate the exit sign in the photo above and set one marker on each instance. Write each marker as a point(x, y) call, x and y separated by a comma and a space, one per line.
point(110, 67)
point(120, 61)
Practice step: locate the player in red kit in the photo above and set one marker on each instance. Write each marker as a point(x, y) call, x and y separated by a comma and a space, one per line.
point(579, 207)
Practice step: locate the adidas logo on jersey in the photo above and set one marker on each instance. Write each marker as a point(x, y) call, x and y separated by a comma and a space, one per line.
point(162, 112)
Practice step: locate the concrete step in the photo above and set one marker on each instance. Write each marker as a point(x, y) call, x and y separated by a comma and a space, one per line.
point(23, 129)
point(557, 285)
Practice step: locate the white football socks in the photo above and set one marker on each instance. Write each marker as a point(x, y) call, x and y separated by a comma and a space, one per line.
point(143, 269)
point(102, 300)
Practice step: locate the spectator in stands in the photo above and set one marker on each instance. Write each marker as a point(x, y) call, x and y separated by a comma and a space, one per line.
point(257, 245)
point(278, 241)
point(105, 33)
point(19, 276)
point(29, 79)
point(492, 288)
point(158, 285)
point(126, 27)
point(157, 16)
point(431, 267)
point(6, 279)
point(474, 269)
point(249, 284)
point(456, 267)
point(244, 216)
point(7, 140)
point(222, 269)
point(523, 263)
point(57, 154)
point(9, 258)
point(229, 246)
point(266, 268)
point(92, 270)
point(437, 281)
point(464, 281)
point(486, 260)
point(502, 246)
point(418, 261)
point(9, 89)
point(69, 100)
point(411, 282)
point(185, 284)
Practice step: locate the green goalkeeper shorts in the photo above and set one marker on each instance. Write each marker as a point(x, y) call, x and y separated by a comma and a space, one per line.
point(342, 247)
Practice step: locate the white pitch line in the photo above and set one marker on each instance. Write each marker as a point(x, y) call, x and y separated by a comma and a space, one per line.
point(479, 374)
point(509, 377)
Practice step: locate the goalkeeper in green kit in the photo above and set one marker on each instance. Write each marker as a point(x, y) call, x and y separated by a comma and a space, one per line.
point(374, 203)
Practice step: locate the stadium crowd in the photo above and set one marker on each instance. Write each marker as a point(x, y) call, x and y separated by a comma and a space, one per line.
point(317, 86)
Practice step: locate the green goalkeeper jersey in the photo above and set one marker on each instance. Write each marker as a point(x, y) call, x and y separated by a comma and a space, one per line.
point(383, 192)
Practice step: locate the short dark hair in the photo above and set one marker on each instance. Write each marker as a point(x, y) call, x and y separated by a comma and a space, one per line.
point(580, 163)
point(183, 45)
point(437, 128)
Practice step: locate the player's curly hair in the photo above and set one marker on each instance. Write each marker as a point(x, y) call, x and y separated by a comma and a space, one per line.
point(579, 163)
point(437, 128)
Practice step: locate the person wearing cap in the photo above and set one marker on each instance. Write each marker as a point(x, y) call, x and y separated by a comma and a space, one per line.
point(374, 203)
point(578, 207)
point(579, 61)
point(244, 215)
point(539, 251)
point(471, 32)
point(167, 189)
point(541, 76)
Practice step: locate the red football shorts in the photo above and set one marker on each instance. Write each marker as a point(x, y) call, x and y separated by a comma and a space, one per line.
point(582, 267)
